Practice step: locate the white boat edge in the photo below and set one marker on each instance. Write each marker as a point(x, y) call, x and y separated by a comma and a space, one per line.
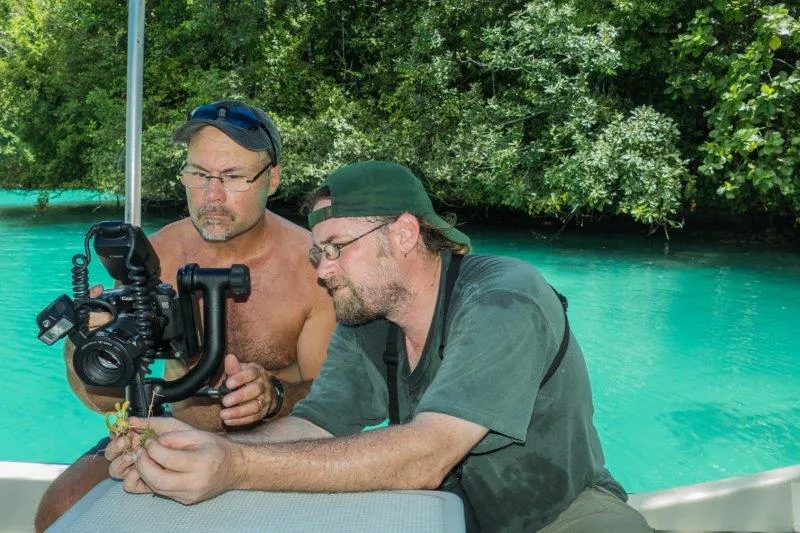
point(765, 502)
point(22, 486)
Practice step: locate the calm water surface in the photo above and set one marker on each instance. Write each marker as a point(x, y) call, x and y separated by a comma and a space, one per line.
point(694, 354)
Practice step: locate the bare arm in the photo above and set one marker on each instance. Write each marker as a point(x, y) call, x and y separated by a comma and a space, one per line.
point(312, 348)
point(287, 429)
point(417, 455)
point(192, 466)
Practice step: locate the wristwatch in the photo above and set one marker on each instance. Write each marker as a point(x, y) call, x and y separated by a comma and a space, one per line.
point(279, 393)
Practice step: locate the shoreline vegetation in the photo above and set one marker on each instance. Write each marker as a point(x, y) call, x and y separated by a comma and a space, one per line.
point(761, 230)
point(653, 113)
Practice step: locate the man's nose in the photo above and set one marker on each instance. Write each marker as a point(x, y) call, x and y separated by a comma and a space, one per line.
point(215, 191)
point(326, 268)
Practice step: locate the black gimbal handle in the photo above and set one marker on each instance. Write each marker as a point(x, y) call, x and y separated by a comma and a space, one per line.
point(213, 283)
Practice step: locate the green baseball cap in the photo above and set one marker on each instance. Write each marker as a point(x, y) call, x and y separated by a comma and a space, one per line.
point(379, 188)
point(249, 126)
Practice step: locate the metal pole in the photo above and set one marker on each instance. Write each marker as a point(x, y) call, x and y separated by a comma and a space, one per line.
point(133, 114)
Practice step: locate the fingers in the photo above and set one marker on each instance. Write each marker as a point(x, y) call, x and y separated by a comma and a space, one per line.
point(122, 463)
point(248, 404)
point(134, 484)
point(95, 291)
point(232, 365)
point(159, 424)
point(172, 454)
point(183, 440)
point(98, 319)
point(121, 466)
point(118, 453)
point(115, 448)
point(247, 372)
point(241, 415)
point(161, 480)
point(252, 398)
point(251, 391)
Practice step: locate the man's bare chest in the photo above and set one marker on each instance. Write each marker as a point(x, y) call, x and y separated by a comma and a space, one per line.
point(265, 327)
point(264, 332)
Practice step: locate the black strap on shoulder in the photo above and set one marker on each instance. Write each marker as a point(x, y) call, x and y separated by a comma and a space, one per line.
point(390, 355)
point(562, 349)
point(451, 276)
point(390, 360)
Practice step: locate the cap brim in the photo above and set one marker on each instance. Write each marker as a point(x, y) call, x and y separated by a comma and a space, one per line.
point(446, 228)
point(248, 139)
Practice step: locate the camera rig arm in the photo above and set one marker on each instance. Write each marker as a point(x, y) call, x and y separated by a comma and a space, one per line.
point(214, 283)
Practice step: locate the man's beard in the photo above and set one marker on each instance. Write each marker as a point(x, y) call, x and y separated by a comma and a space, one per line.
point(361, 306)
point(212, 229)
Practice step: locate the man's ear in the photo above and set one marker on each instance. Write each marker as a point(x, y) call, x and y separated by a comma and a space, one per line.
point(406, 229)
point(274, 179)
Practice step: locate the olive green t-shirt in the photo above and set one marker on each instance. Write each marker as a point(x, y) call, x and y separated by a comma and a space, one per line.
point(505, 325)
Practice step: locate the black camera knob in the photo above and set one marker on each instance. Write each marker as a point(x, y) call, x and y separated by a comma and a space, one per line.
point(240, 280)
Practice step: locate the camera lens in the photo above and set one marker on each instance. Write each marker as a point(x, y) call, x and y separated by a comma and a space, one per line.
point(107, 361)
point(101, 367)
point(107, 358)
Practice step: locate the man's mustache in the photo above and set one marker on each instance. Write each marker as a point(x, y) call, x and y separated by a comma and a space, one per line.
point(215, 210)
point(335, 282)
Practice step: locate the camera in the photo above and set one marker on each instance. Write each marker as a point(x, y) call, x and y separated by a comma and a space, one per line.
point(149, 319)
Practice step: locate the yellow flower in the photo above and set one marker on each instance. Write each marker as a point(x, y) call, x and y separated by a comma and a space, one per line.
point(117, 420)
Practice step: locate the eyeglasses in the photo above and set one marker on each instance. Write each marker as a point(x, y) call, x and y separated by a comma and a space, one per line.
point(331, 251)
point(238, 115)
point(198, 179)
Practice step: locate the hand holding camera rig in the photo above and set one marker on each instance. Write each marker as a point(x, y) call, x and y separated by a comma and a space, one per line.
point(149, 319)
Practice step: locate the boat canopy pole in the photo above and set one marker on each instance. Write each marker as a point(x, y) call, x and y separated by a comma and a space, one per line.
point(133, 114)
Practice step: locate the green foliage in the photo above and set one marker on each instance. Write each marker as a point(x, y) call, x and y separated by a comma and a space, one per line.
point(632, 167)
point(542, 106)
point(743, 57)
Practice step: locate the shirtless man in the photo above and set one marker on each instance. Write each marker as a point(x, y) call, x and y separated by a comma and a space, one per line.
point(282, 330)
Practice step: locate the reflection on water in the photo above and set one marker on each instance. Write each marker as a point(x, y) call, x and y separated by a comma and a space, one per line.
point(693, 353)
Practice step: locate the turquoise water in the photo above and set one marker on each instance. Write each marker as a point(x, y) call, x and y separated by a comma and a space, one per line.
point(693, 353)
point(10, 198)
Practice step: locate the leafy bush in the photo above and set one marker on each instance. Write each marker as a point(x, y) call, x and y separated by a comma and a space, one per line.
point(743, 58)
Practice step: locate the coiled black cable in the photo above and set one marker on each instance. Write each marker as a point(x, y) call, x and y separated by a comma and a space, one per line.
point(142, 311)
point(80, 279)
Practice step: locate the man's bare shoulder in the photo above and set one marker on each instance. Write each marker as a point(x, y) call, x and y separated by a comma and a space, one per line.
point(171, 242)
point(172, 233)
point(294, 234)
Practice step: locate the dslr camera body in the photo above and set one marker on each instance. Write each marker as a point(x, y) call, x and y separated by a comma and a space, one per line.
point(149, 320)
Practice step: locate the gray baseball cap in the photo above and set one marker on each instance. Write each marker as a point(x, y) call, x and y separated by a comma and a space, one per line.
point(247, 125)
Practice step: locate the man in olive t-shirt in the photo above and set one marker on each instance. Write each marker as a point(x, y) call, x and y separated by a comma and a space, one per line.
point(506, 325)
point(468, 381)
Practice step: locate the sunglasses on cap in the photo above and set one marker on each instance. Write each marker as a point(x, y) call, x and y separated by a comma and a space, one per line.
point(238, 115)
